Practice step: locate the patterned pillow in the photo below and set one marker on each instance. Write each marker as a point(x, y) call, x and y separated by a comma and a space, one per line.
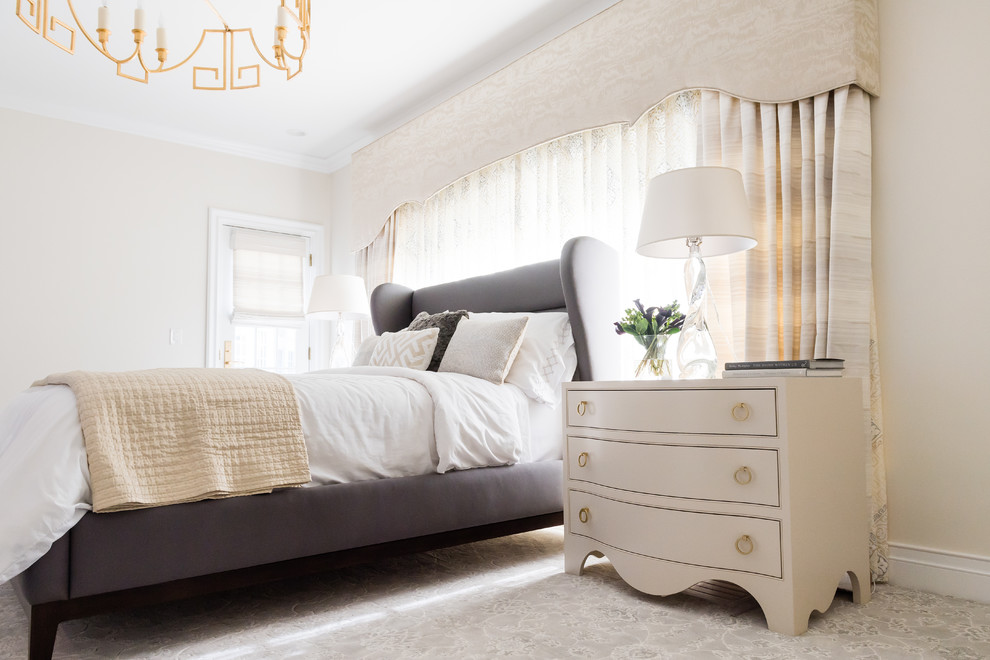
point(405, 349)
point(484, 349)
point(446, 322)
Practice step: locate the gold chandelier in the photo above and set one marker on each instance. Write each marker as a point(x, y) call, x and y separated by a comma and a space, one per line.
point(230, 71)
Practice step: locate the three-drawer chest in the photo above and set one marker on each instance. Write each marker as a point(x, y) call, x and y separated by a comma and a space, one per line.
point(761, 482)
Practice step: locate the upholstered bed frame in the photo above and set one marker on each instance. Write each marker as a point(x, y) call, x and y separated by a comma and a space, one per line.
point(121, 560)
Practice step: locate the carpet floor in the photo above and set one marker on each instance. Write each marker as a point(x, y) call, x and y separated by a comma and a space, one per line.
point(504, 598)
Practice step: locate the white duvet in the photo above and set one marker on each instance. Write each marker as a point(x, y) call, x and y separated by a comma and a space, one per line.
point(360, 423)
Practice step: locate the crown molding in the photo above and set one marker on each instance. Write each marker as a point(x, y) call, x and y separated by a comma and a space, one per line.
point(174, 136)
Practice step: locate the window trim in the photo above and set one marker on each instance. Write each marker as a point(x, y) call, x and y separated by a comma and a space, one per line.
point(219, 220)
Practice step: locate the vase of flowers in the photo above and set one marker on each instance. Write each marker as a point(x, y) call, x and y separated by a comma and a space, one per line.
point(651, 327)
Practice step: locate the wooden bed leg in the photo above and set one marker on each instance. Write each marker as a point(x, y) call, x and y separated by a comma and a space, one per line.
point(44, 627)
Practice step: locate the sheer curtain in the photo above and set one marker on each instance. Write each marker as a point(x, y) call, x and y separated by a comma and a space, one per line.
point(523, 208)
point(806, 290)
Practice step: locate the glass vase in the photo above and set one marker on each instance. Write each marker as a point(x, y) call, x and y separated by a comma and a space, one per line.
point(653, 364)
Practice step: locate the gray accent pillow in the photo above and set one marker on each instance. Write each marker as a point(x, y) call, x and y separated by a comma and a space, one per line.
point(485, 349)
point(447, 323)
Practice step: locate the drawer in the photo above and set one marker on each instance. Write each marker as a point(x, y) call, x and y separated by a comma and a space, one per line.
point(709, 411)
point(724, 474)
point(735, 543)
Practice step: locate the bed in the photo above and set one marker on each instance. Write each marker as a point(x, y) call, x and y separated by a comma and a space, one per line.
point(111, 561)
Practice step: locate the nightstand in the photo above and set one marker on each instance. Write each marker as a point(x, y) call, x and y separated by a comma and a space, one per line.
point(758, 481)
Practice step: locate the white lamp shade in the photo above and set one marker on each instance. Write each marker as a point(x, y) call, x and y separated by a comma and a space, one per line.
point(338, 297)
point(704, 202)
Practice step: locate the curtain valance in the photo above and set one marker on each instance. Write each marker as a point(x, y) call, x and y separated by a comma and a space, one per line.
point(611, 69)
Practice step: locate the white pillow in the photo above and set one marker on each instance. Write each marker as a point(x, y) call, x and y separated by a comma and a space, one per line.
point(484, 349)
point(541, 364)
point(365, 350)
point(412, 349)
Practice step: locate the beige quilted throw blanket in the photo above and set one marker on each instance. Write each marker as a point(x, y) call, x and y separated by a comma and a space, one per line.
point(166, 436)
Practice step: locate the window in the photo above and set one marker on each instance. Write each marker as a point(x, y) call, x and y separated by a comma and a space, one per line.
point(523, 208)
point(261, 271)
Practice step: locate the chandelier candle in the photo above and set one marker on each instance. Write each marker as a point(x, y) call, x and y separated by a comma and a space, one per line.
point(140, 22)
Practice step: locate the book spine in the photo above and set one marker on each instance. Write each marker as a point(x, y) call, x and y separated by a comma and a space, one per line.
point(773, 364)
point(775, 373)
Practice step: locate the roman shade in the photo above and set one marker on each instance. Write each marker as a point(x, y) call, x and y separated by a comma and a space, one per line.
point(268, 274)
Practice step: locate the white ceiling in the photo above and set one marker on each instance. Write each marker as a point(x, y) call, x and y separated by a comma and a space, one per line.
point(372, 65)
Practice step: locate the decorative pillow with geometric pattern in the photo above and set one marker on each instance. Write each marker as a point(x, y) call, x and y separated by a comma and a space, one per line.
point(410, 349)
point(447, 322)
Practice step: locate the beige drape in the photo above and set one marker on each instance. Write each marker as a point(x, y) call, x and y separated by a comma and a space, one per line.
point(806, 290)
point(376, 264)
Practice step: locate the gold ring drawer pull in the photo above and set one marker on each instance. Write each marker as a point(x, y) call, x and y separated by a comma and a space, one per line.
point(584, 514)
point(583, 459)
point(740, 412)
point(744, 544)
point(582, 408)
point(743, 476)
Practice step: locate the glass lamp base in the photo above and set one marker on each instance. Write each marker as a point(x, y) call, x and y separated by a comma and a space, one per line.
point(696, 356)
point(696, 353)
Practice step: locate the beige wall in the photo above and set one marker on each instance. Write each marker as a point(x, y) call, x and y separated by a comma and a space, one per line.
point(931, 232)
point(342, 260)
point(103, 243)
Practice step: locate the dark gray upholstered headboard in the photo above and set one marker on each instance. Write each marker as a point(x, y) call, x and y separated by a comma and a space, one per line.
point(584, 282)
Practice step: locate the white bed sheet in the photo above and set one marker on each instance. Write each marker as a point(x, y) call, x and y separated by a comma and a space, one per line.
point(546, 431)
point(359, 423)
point(396, 422)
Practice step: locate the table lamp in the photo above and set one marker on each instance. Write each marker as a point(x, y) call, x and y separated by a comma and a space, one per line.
point(701, 210)
point(338, 298)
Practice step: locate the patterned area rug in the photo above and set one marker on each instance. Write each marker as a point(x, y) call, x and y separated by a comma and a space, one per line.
point(504, 598)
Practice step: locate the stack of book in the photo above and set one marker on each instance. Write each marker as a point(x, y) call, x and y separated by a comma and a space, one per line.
point(766, 368)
